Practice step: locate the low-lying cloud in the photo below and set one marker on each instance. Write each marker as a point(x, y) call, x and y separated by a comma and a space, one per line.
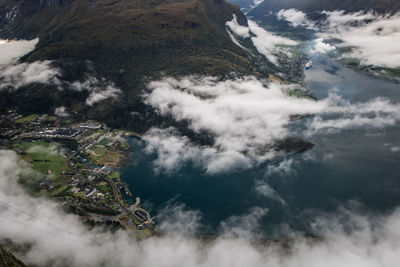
point(264, 189)
point(266, 43)
point(323, 48)
point(19, 75)
point(256, 3)
point(61, 112)
point(295, 17)
point(14, 75)
point(245, 117)
point(245, 226)
point(98, 89)
point(60, 239)
point(12, 50)
point(372, 37)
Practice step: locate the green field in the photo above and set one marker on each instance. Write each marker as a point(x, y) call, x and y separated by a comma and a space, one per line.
point(59, 190)
point(45, 157)
point(114, 175)
point(27, 119)
point(51, 118)
point(105, 141)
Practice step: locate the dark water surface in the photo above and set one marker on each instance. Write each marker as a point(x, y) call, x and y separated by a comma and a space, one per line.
point(348, 165)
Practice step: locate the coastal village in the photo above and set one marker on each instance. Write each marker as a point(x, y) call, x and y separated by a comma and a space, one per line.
point(78, 164)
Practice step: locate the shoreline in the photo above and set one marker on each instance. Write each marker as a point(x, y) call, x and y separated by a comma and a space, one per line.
point(78, 164)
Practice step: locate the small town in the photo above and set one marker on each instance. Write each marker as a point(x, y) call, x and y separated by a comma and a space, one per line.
point(78, 164)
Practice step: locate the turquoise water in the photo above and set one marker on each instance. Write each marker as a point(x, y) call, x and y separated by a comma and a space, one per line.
point(349, 165)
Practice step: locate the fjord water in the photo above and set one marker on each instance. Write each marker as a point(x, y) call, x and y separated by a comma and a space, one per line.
point(344, 168)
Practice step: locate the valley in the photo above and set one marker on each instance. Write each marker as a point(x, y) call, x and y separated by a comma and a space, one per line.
point(199, 133)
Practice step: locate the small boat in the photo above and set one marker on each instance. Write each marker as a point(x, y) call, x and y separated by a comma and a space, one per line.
point(308, 65)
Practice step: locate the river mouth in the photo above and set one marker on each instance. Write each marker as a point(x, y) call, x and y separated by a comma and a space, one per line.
point(345, 167)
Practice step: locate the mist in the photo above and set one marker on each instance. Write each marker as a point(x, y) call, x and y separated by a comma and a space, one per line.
point(59, 239)
point(372, 37)
point(240, 116)
point(245, 117)
point(266, 43)
point(15, 75)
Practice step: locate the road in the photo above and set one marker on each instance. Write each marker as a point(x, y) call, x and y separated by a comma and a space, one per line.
point(118, 196)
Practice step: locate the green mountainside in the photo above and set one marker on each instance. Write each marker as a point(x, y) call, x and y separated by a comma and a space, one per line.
point(127, 42)
point(129, 39)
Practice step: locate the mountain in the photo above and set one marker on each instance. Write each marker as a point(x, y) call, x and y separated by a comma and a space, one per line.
point(9, 260)
point(139, 36)
point(309, 6)
point(125, 42)
point(246, 5)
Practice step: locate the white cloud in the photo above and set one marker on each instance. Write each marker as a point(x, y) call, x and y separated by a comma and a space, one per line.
point(242, 115)
point(176, 218)
point(58, 239)
point(295, 17)
point(174, 151)
point(378, 113)
point(12, 50)
point(99, 90)
point(239, 30)
point(18, 75)
point(338, 19)
point(236, 42)
point(264, 189)
point(321, 47)
point(266, 43)
point(394, 148)
point(61, 112)
point(244, 118)
point(51, 150)
point(14, 75)
point(374, 38)
point(110, 91)
point(245, 226)
point(256, 3)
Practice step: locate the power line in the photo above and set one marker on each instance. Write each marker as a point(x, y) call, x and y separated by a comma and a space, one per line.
point(30, 215)
point(40, 220)
point(45, 231)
